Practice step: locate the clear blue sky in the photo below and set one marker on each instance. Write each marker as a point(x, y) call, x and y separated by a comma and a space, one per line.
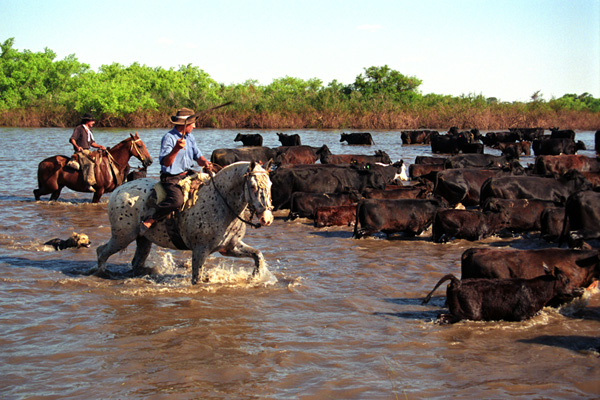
point(503, 48)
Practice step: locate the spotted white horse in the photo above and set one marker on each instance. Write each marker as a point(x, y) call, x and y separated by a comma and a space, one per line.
point(214, 223)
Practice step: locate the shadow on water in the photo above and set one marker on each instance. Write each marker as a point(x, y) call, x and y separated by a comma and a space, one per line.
point(333, 234)
point(576, 343)
point(70, 268)
point(424, 315)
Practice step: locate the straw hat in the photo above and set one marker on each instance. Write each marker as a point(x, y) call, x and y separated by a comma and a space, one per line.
point(184, 116)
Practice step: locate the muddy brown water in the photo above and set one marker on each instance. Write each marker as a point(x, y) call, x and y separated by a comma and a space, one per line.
point(333, 317)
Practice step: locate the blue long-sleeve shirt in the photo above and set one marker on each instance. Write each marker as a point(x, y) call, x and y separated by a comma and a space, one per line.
point(185, 158)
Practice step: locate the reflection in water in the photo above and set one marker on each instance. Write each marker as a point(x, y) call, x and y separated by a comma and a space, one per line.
point(332, 317)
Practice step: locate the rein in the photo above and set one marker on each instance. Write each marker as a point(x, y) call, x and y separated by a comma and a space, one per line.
point(249, 222)
point(111, 160)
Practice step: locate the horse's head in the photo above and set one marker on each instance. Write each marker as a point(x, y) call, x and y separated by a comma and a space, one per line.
point(258, 191)
point(138, 150)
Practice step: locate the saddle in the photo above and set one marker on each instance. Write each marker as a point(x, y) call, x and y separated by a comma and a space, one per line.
point(189, 186)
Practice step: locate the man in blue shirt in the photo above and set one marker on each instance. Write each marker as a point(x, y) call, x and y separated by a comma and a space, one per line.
point(178, 151)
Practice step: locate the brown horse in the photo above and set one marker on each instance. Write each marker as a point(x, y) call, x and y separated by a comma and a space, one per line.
point(111, 170)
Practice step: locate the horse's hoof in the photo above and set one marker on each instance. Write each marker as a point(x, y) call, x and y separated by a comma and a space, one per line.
point(100, 273)
point(145, 271)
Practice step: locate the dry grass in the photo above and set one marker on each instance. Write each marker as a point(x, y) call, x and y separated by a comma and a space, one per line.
point(487, 118)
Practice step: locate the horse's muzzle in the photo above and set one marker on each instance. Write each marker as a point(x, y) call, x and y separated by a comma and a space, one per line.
point(265, 218)
point(147, 162)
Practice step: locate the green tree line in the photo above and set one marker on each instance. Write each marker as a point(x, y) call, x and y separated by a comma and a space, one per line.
point(38, 90)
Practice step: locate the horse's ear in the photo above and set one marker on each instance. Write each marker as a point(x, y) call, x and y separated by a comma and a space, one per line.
point(269, 164)
point(252, 165)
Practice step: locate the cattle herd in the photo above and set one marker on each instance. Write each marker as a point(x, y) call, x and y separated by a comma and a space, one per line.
point(459, 192)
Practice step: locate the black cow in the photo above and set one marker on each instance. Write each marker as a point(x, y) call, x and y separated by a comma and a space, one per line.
point(471, 225)
point(562, 133)
point(554, 147)
point(289, 140)
point(304, 205)
point(463, 185)
point(582, 218)
point(534, 187)
point(326, 157)
point(416, 136)
point(492, 139)
point(512, 299)
point(430, 160)
point(582, 267)
point(522, 215)
point(408, 216)
point(318, 178)
point(224, 157)
point(446, 144)
point(480, 161)
point(357, 138)
point(528, 133)
point(252, 139)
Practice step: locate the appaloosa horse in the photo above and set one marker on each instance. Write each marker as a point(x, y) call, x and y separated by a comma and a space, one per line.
point(111, 171)
point(214, 223)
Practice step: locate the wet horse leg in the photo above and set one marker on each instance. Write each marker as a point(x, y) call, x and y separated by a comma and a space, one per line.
point(106, 250)
point(199, 255)
point(241, 249)
point(143, 247)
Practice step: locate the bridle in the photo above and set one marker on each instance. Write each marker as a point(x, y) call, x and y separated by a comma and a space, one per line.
point(250, 204)
point(135, 147)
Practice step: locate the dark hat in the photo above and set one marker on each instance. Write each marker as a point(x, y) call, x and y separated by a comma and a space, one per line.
point(87, 118)
point(184, 116)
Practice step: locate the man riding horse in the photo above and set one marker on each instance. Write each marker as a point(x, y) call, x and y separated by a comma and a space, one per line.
point(82, 139)
point(178, 151)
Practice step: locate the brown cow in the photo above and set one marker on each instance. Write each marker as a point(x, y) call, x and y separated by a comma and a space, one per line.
point(395, 192)
point(582, 267)
point(551, 223)
point(293, 155)
point(558, 165)
point(335, 216)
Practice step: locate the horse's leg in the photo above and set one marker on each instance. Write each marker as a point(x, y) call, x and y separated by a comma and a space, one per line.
point(97, 194)
point(199, 255)
point(103, 252)
point(241, 249)
point(142, 250)
point(54, 196)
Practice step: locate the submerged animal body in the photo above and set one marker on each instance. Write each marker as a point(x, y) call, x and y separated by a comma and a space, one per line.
point(214, 223)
